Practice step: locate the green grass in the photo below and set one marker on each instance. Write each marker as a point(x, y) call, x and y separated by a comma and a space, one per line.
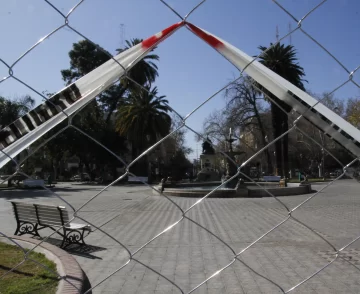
point(29, 278)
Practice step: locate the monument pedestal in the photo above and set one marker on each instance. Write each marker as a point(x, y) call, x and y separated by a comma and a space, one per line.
point(232, 183)
point(208, 171)
point(241, 189)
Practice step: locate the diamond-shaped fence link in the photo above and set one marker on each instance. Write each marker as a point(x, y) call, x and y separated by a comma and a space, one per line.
point(184, 212)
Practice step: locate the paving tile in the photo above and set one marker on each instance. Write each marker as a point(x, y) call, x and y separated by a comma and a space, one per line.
point(187, 255)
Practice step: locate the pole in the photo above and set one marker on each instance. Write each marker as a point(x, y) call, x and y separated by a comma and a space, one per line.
point(323, 163)
point(282, 154)
point(323, 154)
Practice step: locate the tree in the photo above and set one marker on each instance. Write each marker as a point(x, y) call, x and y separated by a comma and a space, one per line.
point(169, 157)
point(145, 71)
point(11, 110)
point(216, 125)
point(85, 57)
point(245, 108)
point(144, 119)
point(303, 143)
point(353, 112)
point(282, 60)
point(178, 138)
point(71, 142)
point(178, 165)
point(246, 113)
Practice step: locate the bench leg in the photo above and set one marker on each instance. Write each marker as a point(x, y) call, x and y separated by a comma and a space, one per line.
point(64, 239)
point(27, 228)
point(72, 237)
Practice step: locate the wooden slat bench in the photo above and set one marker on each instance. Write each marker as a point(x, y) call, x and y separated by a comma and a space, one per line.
point(31, 218)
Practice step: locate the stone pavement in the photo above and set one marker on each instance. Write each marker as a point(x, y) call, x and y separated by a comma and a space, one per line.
point(187, 254)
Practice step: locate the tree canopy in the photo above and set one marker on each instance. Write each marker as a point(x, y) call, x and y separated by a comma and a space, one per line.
point(126, 119)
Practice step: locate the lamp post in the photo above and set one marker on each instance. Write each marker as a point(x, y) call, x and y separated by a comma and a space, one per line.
point(230, 140)
point(231, 168)
point(323, 153)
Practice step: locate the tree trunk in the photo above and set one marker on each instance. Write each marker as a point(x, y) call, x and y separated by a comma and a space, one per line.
point(55, 167)
point(140, 168)
point(263, 142)
point(147, 157)
point(114, 105)
point(276, 115)
point(285, 148)
point(87, 167)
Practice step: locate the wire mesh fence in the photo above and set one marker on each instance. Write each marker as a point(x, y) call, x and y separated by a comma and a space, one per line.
point(185, 214)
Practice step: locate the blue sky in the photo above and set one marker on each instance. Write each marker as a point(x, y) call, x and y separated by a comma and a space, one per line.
point(190, 71)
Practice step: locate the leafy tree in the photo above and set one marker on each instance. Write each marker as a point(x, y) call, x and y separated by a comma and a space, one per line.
point(304, 143)
point(178, 137)
point(178, 166)
point(71, 142)
point(170, 156)
point(96, 118)
point(10, 110)
point(353, 111)
point(282, 60)
point(84, 57)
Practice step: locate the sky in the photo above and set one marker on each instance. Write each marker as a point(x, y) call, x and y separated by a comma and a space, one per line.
point(189, 70)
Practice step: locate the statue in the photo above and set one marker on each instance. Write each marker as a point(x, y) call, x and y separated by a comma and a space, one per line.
point(162, 185)
point(208, 171)
point(240, 184)
point(207, 147)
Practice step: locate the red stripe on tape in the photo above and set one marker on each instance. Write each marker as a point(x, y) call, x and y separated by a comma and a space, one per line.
point(150, 42)
point(211, 40)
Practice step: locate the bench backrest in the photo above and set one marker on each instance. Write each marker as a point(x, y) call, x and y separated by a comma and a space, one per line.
point(42, 214)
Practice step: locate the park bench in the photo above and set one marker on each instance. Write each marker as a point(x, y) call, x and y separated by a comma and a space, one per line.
point(31, 218)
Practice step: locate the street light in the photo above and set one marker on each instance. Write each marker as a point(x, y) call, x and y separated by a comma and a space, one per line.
point(323, 153)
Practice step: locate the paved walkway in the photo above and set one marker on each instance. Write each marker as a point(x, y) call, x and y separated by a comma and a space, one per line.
point(187, 254)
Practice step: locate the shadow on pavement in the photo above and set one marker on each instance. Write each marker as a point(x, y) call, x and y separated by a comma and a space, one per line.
point(79, 250)
point(86, 285)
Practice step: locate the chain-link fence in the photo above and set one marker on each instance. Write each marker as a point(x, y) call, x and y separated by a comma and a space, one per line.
point(64, 100)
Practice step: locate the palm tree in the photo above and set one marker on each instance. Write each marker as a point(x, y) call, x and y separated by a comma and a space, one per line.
point(144, 119)
point(282, 60)
point(144, 73)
